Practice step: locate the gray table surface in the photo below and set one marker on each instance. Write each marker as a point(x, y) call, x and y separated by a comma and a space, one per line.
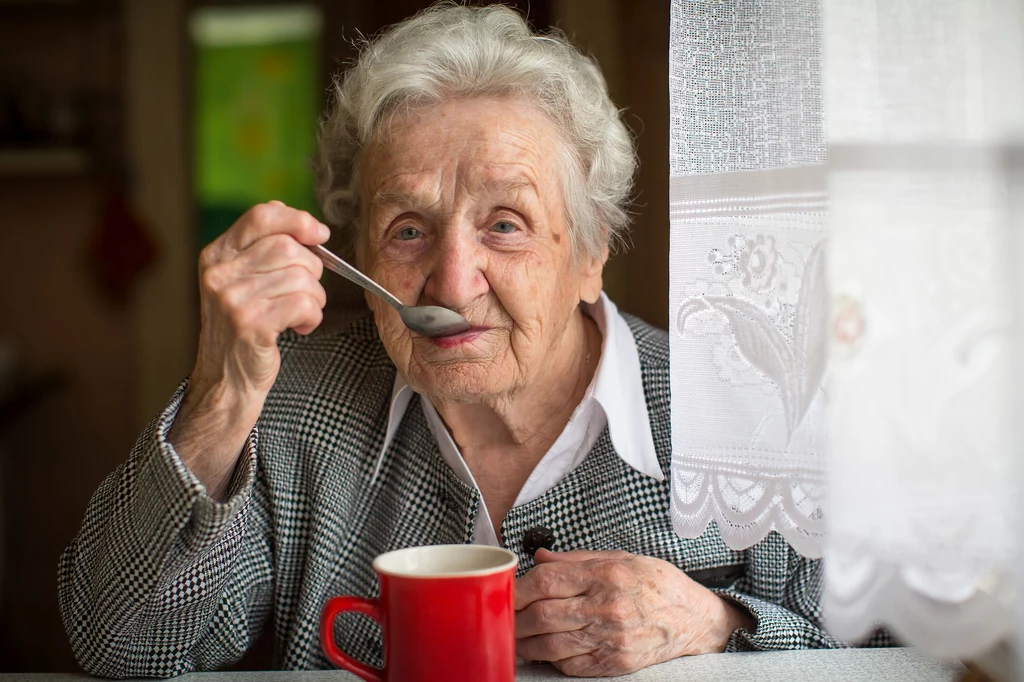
point(843, 665)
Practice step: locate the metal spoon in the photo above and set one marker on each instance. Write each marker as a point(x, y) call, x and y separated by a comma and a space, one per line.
point(429, 320)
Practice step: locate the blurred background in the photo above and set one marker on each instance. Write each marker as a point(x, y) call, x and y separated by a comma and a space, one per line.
point(132, 132)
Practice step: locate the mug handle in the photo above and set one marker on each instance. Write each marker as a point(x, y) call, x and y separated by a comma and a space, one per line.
point(333, 607)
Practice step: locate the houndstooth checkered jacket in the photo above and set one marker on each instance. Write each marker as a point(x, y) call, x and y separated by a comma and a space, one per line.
point(162, 580)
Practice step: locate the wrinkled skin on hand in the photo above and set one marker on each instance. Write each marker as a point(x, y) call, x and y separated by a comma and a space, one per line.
point(255, 281)
point(595, 614)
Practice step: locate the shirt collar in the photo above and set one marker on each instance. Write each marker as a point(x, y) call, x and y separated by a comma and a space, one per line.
point(617, 387)
point(619, 390)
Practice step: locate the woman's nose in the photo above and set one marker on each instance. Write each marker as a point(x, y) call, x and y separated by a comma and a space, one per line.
point(456, 276)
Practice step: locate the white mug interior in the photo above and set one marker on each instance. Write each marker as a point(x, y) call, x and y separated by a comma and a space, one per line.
point(445, 561)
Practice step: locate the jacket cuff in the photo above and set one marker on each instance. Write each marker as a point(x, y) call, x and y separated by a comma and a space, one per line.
point(183, 497)
point(776, 628)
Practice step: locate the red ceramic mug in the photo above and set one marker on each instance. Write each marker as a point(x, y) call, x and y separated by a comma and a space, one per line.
point(446, 611)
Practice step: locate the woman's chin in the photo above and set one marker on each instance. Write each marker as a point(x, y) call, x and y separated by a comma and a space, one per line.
point(466, 382)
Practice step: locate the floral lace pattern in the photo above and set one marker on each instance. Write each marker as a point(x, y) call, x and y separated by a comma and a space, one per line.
point(747, 156)
point(792, 358)
point(749, 357)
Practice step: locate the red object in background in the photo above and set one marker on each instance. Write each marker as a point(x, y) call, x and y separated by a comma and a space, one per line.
point(457, 626)
point(122, 250)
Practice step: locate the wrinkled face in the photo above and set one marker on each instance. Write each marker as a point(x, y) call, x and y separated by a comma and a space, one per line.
point(464, 209)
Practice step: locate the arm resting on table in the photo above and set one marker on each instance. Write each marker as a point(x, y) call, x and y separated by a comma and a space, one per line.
point(162, 579)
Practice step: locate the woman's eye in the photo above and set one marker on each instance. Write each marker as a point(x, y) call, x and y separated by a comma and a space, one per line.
point(504, 227)
point(407, 233)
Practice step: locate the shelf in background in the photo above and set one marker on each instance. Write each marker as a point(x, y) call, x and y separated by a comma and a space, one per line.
point(35, 162)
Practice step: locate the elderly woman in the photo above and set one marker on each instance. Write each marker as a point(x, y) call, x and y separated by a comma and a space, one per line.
point(482, 168)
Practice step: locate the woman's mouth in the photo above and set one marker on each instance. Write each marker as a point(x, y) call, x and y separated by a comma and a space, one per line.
point(459, 339)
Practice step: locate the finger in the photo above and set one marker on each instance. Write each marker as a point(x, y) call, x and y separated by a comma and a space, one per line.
point(274, 217)
point(577, 555)
point(278, 251)
point(298, 311)
point(258, 322)
point(556, 647)
point(246, 293)
point(287, 281)
point(593, 664)
point(551, 615)
point(551, 581)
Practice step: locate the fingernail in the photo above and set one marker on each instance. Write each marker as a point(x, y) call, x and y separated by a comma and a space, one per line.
point(325, 232)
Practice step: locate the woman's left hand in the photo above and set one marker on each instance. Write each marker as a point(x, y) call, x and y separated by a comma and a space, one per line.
point(611, 613)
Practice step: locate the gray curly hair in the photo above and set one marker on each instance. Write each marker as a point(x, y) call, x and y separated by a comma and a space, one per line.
point(450, 51)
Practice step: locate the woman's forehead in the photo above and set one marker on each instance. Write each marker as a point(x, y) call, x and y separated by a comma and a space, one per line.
point(475, 144)
point(503, 128)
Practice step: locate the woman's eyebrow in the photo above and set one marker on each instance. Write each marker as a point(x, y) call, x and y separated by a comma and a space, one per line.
point(503, 187)
point(512, 186)
point(388, 197)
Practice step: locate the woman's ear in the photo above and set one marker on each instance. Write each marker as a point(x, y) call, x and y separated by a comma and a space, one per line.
point(592, 276)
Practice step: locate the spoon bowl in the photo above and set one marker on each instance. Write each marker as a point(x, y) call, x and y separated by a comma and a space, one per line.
point(428, 320)
point(433, 320)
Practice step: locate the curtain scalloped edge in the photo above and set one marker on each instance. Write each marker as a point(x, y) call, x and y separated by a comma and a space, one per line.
point(743, 537)
point(948, 630)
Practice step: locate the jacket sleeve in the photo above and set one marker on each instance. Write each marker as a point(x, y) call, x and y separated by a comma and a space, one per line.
point(782, 592)
point(162, 579)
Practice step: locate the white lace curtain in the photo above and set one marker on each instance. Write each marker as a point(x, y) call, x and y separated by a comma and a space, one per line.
point(843, 286)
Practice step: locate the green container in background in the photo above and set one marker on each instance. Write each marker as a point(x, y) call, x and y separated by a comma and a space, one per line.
point(255, 107)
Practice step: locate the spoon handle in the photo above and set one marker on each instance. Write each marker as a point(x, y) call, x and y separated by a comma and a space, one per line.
point(335, 264)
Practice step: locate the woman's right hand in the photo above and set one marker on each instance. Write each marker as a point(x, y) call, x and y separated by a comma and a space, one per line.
point(255, 281)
